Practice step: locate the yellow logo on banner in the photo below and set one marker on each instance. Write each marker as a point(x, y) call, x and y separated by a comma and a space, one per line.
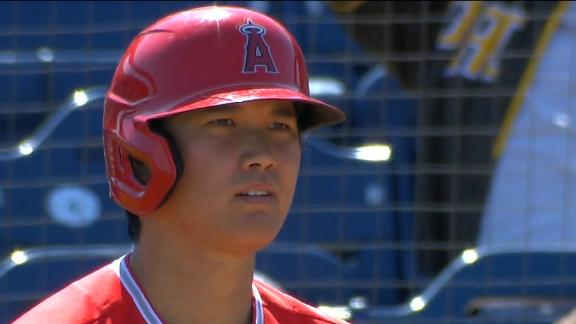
point(479, 31)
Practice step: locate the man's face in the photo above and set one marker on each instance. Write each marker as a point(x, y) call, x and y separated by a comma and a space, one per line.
point(240, 169)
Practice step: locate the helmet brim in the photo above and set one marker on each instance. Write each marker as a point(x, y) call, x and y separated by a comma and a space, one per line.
point(313, 113)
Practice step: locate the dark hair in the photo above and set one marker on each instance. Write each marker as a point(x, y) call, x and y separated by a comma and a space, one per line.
point(142, 172)
point(134, 226)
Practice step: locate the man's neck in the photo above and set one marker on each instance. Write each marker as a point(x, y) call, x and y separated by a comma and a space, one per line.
point(188, 286)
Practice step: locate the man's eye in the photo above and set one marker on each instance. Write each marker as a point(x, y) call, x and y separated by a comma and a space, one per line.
point(223, 122)
point(280, 126)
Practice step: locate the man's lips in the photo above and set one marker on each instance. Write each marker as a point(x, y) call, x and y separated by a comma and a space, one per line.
point(257, 193)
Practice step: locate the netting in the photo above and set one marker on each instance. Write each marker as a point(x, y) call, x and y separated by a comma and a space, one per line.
point(446, 196)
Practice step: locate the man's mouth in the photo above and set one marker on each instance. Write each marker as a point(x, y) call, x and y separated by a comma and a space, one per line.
point(256, 193)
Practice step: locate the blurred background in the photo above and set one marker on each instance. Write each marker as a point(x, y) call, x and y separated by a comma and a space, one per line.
point(448, 195)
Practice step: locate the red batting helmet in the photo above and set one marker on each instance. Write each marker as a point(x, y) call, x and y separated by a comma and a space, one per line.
point(204, 57)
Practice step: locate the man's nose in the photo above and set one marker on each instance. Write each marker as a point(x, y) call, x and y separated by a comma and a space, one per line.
point(257, 153)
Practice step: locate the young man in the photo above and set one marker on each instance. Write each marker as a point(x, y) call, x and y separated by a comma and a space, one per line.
point(202, 128)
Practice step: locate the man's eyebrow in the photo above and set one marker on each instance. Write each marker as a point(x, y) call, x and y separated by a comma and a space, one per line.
point(284, 111)
point(280, 111)
point(223, 109)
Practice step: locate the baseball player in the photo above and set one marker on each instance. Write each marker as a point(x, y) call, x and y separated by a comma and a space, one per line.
point(202, 128)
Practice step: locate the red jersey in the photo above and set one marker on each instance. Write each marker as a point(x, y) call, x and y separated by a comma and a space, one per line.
point(112, 295)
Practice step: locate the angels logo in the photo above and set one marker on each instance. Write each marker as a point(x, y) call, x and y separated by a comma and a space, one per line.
point(256, 51)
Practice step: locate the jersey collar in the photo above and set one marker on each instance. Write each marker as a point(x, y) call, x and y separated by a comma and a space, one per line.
point(150, 316)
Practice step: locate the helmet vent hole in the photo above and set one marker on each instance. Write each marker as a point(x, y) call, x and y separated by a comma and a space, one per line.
point(140, 170)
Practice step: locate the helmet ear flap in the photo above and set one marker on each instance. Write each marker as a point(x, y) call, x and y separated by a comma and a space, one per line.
point(140, 170)
point(140, 175)
point(120, 166)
